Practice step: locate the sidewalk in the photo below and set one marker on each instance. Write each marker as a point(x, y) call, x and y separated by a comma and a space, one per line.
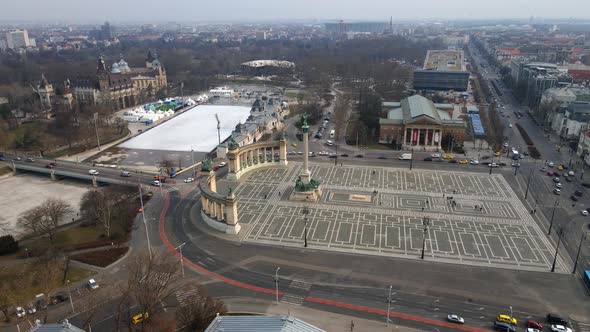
point(89, 153)
point(325, 320)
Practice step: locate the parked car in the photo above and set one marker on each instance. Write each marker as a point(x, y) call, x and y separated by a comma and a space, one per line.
point(474, 162)
point(534, 324)
point(427, 159)
point(93, 172)
point(188, 180)
point(92, 284)
point(30, 308)
point(29, 160)
point(501, 326)
point(573, 198)
point(223, 163)
point(139, 318)
point(20, 312)
point(558, 185)
point(584, 213)
point(560, 328)
point(556, 180)
point(556, 319)
point(125, 173)
point(549, 173)
point(58, 298)
point(155, 183)
point(578, 193)
point(557, 191)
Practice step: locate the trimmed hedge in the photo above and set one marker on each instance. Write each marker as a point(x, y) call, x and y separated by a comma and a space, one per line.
point(525, 135)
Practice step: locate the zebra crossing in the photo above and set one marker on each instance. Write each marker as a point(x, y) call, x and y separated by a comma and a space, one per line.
point(186, 296)
point(290, 297)
point(300, 284)
point(583, 327)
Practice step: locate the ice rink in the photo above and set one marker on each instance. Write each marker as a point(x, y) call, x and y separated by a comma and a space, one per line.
point(196, 127)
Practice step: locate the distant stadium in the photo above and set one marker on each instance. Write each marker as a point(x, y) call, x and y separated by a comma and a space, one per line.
point(268, 67)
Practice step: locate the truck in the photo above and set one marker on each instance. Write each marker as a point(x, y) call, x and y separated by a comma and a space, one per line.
point(405, 156)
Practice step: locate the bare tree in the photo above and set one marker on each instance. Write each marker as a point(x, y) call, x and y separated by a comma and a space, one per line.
point(8, 297)
point(47, 273)
point(55, 209)
point(100, 205)
point(199, 310)
point(35, 221)
point(153, 280)
point(167, 165)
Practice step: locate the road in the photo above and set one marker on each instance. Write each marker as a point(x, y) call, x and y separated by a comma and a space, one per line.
point(567, 212)
point(80, 171)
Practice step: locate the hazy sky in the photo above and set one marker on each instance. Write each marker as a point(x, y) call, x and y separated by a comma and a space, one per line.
point(256, 10)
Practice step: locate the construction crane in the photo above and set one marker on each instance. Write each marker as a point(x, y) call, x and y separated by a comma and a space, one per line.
point(218, 128)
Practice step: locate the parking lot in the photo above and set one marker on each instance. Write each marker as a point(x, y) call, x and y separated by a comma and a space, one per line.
point(382, 211)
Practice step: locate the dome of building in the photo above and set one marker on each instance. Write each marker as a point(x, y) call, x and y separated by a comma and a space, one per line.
point(115, 68)
point(123, 66)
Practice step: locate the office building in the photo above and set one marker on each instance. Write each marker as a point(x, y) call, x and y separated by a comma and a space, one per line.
point(442, 70)
point(16, 39)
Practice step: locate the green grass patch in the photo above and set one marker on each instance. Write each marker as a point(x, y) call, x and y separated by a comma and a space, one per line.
point(31, 278)
point(78, 235)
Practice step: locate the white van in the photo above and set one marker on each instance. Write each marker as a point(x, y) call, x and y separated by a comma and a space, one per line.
point(332, 133)
point(405, 156)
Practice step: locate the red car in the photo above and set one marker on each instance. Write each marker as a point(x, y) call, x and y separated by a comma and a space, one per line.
point(534, 325)
point(549, 173)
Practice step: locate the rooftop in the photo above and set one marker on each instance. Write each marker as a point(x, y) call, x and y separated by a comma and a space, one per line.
point(269, 63)
point(448, 60)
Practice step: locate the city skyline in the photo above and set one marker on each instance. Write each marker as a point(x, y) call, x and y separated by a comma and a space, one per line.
point(264, 10)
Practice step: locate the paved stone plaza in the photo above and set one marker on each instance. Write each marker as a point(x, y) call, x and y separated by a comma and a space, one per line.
point(380, 211)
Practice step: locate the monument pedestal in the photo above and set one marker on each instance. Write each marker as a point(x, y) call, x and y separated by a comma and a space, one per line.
point(306, 196)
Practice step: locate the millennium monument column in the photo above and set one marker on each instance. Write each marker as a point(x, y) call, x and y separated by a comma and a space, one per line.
point(306, 188)
point(305, 173)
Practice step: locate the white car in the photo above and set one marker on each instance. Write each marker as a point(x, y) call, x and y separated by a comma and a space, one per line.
point(155, 183)
point(222, 164)
point(584, 213)
point(505, 145)
point(571, 173)
point(455, 319)
point(436, 155)
point(530, 329)
point(30, 309)
point(558, 185)
point(188, 180)
point(20, 312)
point(493, 165)
point(474, 162)
point(560, 328)
point(92, 284)
point(543, 169)
point(551, 164)
point(557, 191)
point(93, 172)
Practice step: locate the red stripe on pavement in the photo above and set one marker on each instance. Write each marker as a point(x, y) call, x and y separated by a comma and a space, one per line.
point(199, 268)
point(392, 314)
point(214, 275)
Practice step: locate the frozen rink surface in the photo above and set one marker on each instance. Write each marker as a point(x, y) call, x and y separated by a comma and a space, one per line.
point(196, 127)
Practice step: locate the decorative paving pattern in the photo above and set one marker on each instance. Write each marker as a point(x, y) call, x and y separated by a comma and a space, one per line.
point(473, 218)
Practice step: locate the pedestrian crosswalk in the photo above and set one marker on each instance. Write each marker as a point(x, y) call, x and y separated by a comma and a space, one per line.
point(583, 327)
point(299, 284)
point(292, 299)
point(184, 297)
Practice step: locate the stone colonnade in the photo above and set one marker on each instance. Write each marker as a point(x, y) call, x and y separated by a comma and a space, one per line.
point(422, 136)
point(218, 211)
point(245, 158)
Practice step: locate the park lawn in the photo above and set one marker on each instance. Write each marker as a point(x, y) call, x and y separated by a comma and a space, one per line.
point(29, 287)
point(76, 235)
point(378, 146)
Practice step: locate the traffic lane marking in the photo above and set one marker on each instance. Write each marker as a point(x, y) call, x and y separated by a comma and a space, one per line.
point(214, 275)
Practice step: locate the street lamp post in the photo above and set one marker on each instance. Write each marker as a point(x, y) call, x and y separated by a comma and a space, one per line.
point(181, 259)
point(509, 324)
point(552, 216)
point(490, 165)
point(70, 293)
point(277, 284)
point(411, 158)
point(388, 305)
point(578, 253)
point(425, 223)
point(144, 221)
point(559, 235)
point(305, 213)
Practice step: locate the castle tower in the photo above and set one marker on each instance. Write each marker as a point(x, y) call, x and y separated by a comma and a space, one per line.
point(45, 91)
point(102, 74)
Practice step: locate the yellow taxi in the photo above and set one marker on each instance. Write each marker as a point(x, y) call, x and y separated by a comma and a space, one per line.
point(506, 319)
point(497, 154)
point(139, 318)
point(448, 156)
point(463, 161)
point(559, 168)
point(293, 144)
